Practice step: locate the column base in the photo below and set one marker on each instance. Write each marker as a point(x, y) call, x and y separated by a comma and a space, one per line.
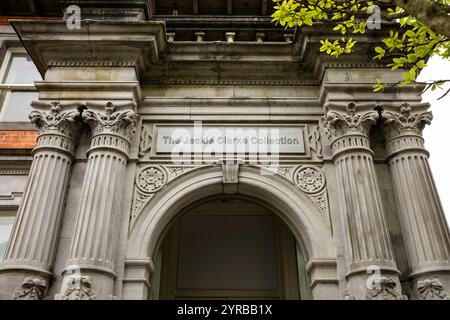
point(431, 284)
point(24, 283)
point(376, 283)
point(87, 283)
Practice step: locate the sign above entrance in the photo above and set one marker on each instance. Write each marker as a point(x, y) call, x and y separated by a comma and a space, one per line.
point(233, 139)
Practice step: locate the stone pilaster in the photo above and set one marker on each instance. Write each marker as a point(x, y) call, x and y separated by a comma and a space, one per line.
point(95, 240)
point(26, 269)
point(422, 219)
point(368, 247)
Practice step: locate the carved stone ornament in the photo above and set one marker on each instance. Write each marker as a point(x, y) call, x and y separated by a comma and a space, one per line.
point(309, 179)
point(151, 179)
point(431, 289)
point(78, 288)
point(405, 121)
point(31, 289)
point(349, 121)
point(314, 140)
point(56, 120)
point(145, 141)
point(113, 120)
point(383, 289)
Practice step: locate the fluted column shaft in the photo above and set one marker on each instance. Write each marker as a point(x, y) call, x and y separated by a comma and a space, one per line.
point(95, 239)
point(367, 241)
point(424, 229)
point(32, 245)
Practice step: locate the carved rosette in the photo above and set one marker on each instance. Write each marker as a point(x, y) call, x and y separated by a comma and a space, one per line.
point(383, 289)
point(149, 182)
point(404, 128)
point(113, 128)
point(431, 289)
point(78, 288)
point(151, 179)
point(348, 128)
point(58, 128)
point(309, 179)
point(31, 289)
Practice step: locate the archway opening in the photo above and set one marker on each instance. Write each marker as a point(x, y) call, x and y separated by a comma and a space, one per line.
point(229, 247)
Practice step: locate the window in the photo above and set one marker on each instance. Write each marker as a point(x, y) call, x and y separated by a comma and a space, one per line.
point(17, 75)
point(6, 224)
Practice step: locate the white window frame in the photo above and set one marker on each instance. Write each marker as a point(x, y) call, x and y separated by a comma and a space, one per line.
point(8, 213)
point(6, 88)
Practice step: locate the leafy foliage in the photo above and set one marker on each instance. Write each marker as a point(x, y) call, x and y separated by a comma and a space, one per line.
point(408, 46)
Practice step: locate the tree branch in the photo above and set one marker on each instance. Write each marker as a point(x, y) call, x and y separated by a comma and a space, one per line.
point(434, 15)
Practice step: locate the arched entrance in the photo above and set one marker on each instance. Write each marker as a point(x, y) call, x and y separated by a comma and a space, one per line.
point(283, 200)
point(229, 247)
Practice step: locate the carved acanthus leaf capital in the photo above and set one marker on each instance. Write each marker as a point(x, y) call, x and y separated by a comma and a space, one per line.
point(113, 120)
point(56, 120)
point(405, 121)
point(352, 119)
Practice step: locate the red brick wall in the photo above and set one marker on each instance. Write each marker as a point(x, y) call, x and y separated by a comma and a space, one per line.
point(18, 139)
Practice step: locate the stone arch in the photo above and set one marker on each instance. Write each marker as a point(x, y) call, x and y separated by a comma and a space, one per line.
point(294, 207)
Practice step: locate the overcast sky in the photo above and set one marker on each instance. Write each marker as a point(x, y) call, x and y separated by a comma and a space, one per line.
point(437, 135)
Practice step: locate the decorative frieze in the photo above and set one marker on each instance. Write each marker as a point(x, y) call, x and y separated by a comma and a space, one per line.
point(31, 289)
point(14, 172)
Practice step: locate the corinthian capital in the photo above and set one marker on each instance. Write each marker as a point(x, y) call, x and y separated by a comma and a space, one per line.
point(120, 120)
point(342, 120)
point(406, 121)
point(55, 120)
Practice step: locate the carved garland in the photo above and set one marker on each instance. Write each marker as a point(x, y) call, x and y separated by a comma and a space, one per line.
point(31, 289)
point(384, 289)
point(431, 289)
point(78, 288)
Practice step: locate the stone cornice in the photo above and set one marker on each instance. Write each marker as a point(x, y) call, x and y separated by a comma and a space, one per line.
point(96, 43)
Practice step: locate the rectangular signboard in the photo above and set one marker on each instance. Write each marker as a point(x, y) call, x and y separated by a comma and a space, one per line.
point(224, 139)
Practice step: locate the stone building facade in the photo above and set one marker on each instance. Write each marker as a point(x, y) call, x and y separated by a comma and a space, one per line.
point(98, 207)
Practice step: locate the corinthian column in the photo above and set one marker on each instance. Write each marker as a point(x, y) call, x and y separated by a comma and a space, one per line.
point(90, 267)
point(29, 256)
point(422, 219)
point(372, 270)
